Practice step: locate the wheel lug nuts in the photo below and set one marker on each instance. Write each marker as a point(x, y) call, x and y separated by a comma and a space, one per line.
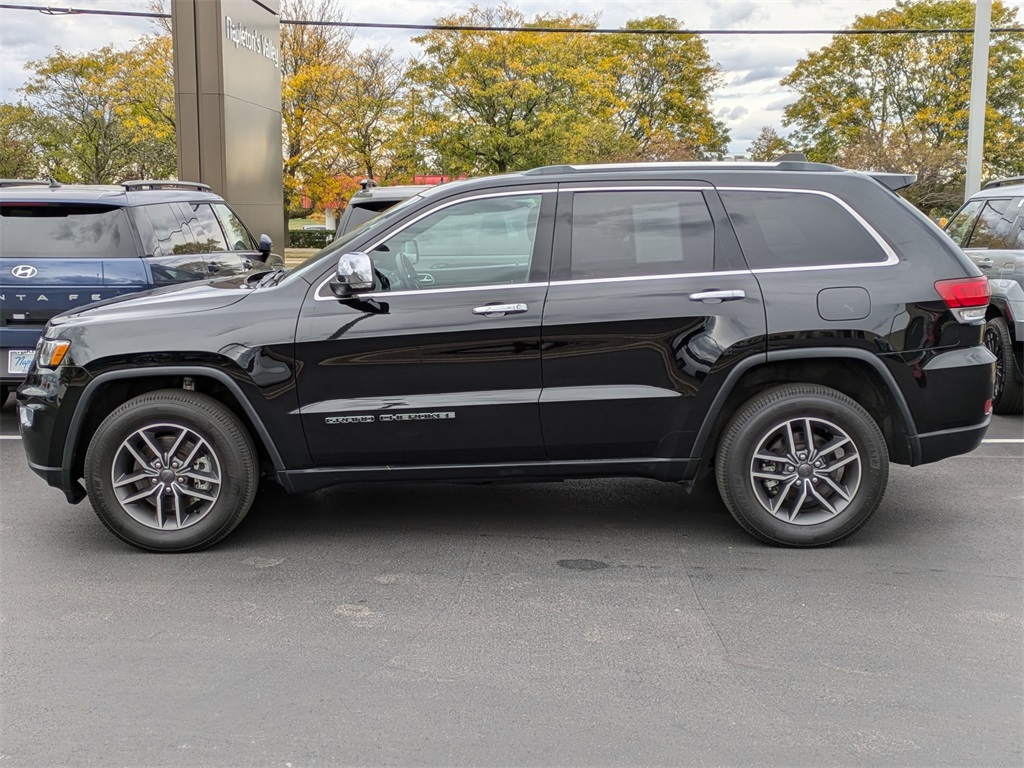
point(181, 479)
point(152, 481)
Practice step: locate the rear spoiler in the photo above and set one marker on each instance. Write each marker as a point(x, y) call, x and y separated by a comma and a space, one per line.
point(894, 181)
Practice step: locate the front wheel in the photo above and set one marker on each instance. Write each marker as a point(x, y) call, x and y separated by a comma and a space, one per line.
point(802, 465)
point(171, 471)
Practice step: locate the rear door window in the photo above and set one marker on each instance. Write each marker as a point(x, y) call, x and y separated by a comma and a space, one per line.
point(788, 229)
point(625, 234)
point(64, 230)
point(994, 225)
point(959, 227)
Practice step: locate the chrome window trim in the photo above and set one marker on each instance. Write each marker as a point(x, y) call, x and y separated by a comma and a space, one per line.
point(891, 257)
point(482, 196)
point(635, 278)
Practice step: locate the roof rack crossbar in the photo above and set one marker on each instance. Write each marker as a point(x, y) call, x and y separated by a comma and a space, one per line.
point(140, 184)
point(1004, 182)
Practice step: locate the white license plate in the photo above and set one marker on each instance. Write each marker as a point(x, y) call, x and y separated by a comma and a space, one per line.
point(18, 360)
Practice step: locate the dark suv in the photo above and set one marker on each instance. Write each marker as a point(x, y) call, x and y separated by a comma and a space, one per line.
point(63, 246)
point(793, 327)
point(371, 201)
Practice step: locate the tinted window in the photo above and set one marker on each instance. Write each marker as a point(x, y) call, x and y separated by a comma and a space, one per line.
point(360, 214)
point(162, 230)
point(994, 225)
point(619, 234)
point(793, 229)
point(66, 231)
point(205, 228)
point(959, 227)
point(239, 238)
point(478, 242)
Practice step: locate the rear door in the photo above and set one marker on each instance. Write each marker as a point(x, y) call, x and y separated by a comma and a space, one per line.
point(649, 298)
point(994, 242)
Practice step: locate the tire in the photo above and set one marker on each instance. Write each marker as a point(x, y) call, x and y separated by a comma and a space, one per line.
point(1008, 393)
point(188, 506)
point(837, 502)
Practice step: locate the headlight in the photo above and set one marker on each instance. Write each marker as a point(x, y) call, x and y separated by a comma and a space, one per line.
point(51, 352)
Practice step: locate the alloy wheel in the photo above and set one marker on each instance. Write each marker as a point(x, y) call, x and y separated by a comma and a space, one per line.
point(805, 471)
point(166, 476)
point(995, 345)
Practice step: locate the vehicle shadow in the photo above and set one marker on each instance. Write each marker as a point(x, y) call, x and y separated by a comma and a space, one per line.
point(573, 509)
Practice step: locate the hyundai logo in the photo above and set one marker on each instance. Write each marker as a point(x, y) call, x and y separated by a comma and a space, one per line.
point(24, 270)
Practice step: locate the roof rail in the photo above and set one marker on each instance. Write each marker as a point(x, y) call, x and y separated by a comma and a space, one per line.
point(140, 184)
point(799, 157)
point(23, 183)
point(1004, 182)
point(698, 165)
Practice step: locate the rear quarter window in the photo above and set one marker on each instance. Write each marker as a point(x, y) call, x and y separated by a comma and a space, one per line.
point(59, 230)
point(786, 229)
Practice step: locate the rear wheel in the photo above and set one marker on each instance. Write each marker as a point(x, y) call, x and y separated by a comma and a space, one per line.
point(171, 471)
point(1007, 392)
point(802, 465)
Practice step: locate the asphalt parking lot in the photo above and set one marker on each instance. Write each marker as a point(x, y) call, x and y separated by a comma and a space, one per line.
point(616, 622)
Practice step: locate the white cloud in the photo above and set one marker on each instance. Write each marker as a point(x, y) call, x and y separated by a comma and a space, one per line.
point(751, 65)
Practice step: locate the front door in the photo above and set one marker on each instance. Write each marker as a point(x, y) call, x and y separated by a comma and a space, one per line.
point(440, 364)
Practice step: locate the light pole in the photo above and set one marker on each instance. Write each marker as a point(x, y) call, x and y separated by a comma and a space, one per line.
point(979, 91)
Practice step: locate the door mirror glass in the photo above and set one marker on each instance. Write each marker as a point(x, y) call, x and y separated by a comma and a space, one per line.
point(265, 245)
point(355, 274)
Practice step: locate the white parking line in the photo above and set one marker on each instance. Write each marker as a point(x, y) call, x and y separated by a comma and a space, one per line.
point(10, 437)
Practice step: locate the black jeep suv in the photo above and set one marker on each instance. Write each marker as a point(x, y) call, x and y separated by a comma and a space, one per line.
point(793, 327)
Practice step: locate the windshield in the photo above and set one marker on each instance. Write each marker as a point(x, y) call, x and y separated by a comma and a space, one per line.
point(339, 245)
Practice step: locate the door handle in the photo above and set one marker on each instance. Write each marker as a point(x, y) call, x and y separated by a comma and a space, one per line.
point(500, 310)
point(715, 297)
point(985, 263)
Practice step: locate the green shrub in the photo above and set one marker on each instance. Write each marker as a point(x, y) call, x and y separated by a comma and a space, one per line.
point(310, 238)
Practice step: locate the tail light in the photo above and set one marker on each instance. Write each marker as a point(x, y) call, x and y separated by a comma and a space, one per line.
point(966, 297)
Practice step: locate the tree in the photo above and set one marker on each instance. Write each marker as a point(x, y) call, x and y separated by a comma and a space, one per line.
point(902, 99)
point(18, 159)
point(502, 101)
point(369, 107)
point(768, 145)
point(664, 86)
point(313, 60)
point(75, 116)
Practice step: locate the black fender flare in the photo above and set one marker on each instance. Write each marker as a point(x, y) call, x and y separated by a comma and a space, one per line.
point(81, 408)
point(818, 353)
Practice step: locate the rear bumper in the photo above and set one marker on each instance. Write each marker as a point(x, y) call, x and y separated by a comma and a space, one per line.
point(935, 446)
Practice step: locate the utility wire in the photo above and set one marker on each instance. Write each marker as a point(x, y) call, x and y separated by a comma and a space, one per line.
point(55, 11)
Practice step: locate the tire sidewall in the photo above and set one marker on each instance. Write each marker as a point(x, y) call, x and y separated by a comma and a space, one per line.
point(99, 482)
point(874, 471)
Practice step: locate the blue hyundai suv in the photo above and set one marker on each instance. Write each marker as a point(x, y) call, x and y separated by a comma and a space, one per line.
point(64, 246)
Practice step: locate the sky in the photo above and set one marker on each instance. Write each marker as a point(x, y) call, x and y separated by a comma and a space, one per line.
point(750, 98)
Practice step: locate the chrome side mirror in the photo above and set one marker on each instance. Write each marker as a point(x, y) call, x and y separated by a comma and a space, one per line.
point(355, 274)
